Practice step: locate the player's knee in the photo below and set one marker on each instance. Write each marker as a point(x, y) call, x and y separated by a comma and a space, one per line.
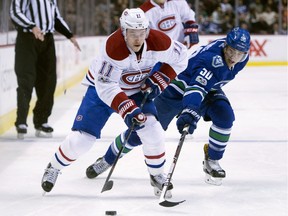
point(222, 114)
point(79, 143)
point(134, 139)
point(153, 133)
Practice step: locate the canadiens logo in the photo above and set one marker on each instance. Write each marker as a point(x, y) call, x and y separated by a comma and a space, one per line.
point(167, 23)
point(133, 78)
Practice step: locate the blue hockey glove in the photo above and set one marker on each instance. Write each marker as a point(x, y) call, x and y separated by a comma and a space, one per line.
point(131, 113)
point(189, 117)
point(191, 34)
point(156, 83)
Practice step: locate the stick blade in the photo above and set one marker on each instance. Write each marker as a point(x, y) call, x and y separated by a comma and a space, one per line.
point(167, 203)
point(107, 186)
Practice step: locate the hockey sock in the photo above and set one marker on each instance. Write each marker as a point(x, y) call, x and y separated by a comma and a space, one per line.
point(115, 147)
point(74, 145)
point(218, 138)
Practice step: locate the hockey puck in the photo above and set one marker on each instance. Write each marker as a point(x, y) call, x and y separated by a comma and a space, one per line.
point(111, 213)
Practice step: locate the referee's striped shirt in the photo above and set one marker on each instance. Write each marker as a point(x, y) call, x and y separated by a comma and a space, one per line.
point(44, 14)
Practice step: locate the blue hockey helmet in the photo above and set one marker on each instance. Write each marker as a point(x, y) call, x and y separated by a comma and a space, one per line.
point(239, 39)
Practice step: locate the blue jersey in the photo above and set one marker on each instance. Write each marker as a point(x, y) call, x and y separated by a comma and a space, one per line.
point(207, 71)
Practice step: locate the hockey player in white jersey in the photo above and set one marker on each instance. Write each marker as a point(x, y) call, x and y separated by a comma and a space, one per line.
point(121, 75)
point(175, 18)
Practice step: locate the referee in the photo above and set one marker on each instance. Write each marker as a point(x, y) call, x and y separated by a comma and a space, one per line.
point(35, 60)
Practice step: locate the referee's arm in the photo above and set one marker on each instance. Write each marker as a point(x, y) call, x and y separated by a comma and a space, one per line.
point(18, 17)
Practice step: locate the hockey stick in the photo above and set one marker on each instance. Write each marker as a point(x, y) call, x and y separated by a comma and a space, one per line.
point(109, 183)
point(162, 200)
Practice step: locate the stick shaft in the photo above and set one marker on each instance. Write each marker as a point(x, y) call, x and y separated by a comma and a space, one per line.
point(105, 187)
point(173, 165)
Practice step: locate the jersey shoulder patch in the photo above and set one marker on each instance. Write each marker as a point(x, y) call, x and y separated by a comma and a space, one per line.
point(116, 47)
point(158, 41)
point(217, 61)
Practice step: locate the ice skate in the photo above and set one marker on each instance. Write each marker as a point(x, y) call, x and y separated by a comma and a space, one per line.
point(158, 182)
point(213, 171)
point(44, 130)
point(97, 168)
point(21, 131)
point(49, 178)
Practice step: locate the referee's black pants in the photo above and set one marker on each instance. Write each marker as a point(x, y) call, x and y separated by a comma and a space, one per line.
point(35, 66)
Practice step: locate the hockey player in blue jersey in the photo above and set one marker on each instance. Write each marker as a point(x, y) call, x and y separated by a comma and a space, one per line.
point(197, 92)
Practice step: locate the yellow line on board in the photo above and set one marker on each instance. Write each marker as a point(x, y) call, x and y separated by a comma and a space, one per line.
point(267, 63)
point(7, 120)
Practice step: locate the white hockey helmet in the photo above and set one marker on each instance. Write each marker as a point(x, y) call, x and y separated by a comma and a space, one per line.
point(133, 18)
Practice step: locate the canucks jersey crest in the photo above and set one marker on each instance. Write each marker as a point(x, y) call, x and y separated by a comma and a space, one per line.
point(217, 61)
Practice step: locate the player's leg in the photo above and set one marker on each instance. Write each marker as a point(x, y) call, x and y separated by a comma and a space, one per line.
point(75, 144)
point(152, 137)
point(90, 119)
point(165, 113)
point(105, 162)
point(222, 116)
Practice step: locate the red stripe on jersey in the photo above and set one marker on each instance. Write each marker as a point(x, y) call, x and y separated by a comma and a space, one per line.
point(90, 75)
point(155, 156)
point(64, 156)
point(118, 99)
point(116, 47)
point(168, 71)
point(146, 6)
point(158, 41)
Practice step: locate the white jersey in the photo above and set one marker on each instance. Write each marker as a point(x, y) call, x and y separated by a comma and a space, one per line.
point(117, 73)
point(169, 18)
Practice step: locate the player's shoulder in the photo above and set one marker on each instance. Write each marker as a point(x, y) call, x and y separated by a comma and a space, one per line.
point(158, 41)
point(116, 48)
point(210, 55)
point(214, 47)
point(146, 6)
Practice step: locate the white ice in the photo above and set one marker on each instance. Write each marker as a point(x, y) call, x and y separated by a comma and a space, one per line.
point(255, 162)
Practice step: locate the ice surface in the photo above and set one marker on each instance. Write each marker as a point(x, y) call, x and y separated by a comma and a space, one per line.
point(255, 162)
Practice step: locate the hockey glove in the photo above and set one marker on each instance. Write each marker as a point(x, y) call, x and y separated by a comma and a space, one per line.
point(191, 34)
point(156, 83)
point(189, 117)
point(131, 113)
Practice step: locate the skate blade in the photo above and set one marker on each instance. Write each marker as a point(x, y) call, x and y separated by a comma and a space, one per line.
point(212, 180)
point(42, 134)
point(158, 192)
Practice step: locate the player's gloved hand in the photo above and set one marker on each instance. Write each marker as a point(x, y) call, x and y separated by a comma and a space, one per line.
point(191, 34)
point(156, 83)
point(131, 113)
point(189, 116)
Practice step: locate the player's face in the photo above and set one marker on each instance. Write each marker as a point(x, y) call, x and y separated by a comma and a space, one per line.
point(232, 56)
point(135, 38)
